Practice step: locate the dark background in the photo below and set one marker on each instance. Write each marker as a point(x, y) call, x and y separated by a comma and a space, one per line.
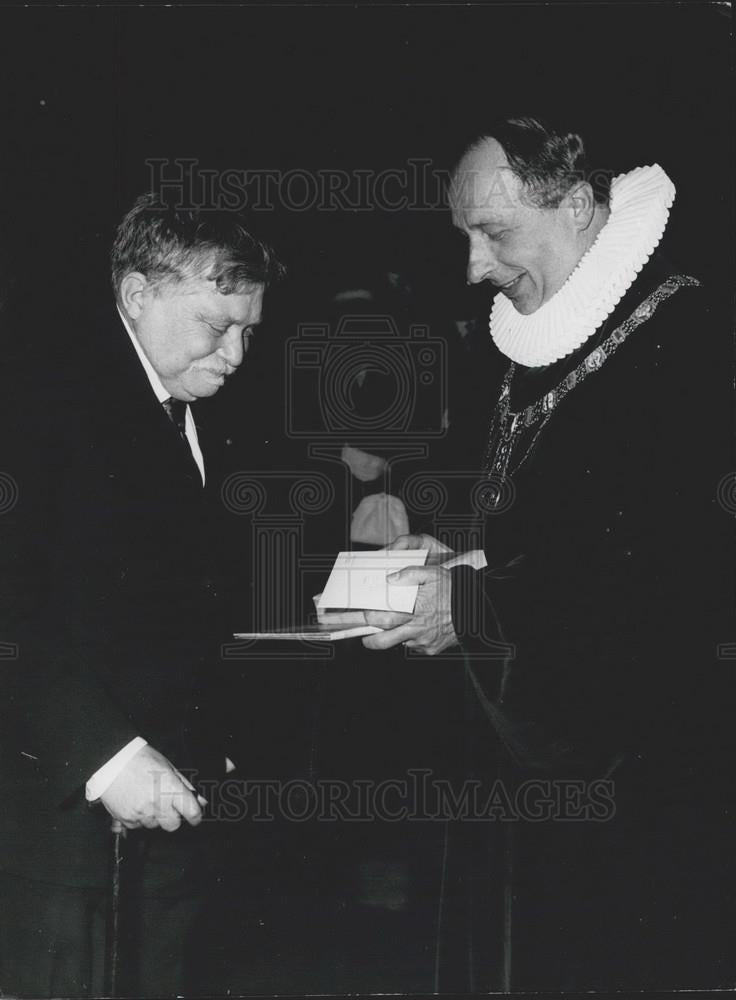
point(88, 95)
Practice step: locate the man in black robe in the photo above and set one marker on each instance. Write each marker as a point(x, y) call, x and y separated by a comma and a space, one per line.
point(593, 640)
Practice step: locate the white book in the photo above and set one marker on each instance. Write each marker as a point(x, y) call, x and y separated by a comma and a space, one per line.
point(318, 633)
point(357, 583)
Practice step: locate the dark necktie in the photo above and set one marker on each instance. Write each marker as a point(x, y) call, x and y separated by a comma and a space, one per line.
point(176, 411)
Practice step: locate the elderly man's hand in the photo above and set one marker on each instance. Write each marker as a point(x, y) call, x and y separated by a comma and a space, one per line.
point(438, 553)
point(430, 628)
point(150, 792)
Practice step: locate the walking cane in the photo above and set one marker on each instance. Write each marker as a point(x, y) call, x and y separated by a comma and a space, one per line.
point(112, 957)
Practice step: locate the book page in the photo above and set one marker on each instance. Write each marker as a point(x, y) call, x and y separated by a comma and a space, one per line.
point(358, 581)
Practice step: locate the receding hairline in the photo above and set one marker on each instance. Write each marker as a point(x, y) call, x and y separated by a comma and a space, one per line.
point(485, 146)
point(546, 157)
point(484, 158)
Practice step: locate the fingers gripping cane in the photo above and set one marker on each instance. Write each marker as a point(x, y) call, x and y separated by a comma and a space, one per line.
point(112, 957)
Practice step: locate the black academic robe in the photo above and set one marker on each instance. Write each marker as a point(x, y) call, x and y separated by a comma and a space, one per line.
point(596, 641)
point(115, 588)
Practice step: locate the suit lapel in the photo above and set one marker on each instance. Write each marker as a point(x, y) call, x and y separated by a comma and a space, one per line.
point(136, 421)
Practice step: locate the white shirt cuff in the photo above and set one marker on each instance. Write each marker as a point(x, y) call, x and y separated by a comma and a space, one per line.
point(101, 780)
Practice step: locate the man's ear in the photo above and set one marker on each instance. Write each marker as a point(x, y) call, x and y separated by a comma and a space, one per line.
point(133, 290)
point(581, 202)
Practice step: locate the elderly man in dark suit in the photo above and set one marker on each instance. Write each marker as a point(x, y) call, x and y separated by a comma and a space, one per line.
point(115, 599)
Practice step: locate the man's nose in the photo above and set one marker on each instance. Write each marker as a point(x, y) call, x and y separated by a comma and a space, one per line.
point(231, 347)
point(482, 260)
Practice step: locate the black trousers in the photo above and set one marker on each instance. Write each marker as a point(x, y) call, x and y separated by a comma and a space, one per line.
point(53, 938)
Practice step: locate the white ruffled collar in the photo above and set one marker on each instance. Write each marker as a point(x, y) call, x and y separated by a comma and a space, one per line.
point(640, 204)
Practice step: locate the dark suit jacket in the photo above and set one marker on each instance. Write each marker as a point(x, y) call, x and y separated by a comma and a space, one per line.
point(114, 590)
